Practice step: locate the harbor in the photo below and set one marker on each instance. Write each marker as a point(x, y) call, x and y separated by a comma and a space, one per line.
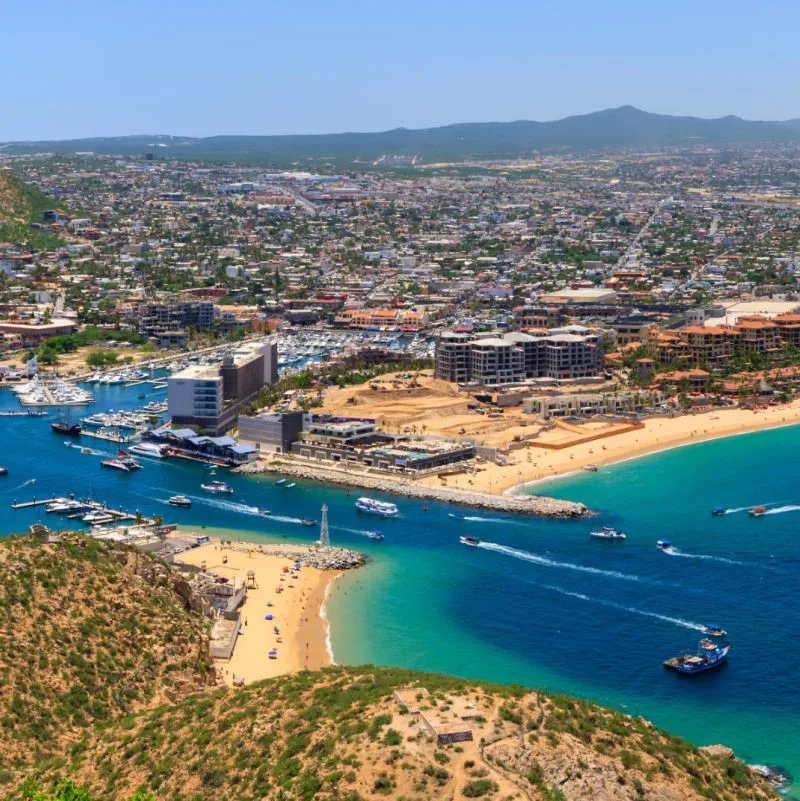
point(627, 605)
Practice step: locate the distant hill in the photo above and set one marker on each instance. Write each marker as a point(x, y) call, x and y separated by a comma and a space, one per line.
point(21, 205)
point(622, 127)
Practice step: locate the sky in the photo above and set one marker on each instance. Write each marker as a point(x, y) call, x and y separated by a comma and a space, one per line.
point(201, 68)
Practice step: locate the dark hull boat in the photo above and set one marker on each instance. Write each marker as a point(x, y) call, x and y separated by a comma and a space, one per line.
point(68, 429)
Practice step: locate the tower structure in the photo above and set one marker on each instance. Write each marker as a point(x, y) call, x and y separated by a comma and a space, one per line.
point(324, 536)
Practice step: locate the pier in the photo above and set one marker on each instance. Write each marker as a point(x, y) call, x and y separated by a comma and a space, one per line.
point(94, 506)
point(111, 436)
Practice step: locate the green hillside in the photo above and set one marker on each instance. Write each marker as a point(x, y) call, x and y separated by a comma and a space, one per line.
point(21, 205)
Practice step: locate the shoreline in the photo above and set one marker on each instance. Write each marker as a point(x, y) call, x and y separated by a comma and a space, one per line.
point(685, 432)
point(296, 600)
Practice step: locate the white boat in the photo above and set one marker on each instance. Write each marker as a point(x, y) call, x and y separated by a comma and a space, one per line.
point(116, 464)
point(180, 500)
point(374, 535)
point(96, 516)
point(149, 449)
point(373, 507)
point(607, 533)
point(216, 487)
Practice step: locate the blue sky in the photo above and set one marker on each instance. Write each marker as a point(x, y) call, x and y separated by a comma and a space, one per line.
point(92, 68)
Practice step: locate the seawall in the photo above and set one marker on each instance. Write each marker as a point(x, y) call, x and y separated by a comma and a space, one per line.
point(539, 505)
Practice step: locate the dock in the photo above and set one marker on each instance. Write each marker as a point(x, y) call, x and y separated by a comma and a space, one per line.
point(108, 437)
point(95, 506)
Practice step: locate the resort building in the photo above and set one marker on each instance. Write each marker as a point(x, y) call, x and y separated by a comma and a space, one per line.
point(273, 432)
point(567, 354)
point(211, 396)
point(32, 332)
point(788, 329)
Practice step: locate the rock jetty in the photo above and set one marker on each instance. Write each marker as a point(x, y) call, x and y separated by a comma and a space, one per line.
point(539, 505)
point(328, 558)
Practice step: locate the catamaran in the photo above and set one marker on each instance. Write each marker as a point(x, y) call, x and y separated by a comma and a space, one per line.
point(372, 507)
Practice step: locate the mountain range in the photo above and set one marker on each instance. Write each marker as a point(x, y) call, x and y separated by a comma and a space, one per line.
point(611, 129)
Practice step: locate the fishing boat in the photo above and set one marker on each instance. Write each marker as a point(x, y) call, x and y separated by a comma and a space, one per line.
point(180, 500)
point(216, 487)
point(374, 535)
point(116, 464)
point(607, 533)
point(713, 630)
point(373, 507)
point(709, 655)
point(719, 510)
point(758, 511)
point(455, 515)
point(474, 542)
point(663, 544)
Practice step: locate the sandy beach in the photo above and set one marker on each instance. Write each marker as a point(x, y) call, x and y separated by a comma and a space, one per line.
point(301, 643)
point(535, 464)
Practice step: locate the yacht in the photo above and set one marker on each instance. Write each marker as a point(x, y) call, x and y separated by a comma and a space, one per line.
point(149, 449)
point(373, 507)
point(217, 487)
point(180, 500)
point(608, 533)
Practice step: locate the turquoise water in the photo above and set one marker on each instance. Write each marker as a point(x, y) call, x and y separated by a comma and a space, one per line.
point(540, 603)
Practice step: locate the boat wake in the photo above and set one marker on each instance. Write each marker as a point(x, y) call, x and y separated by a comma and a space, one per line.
point(23, 484)
point(243, 509)
point(477, 519)
point(673, 551)
point(676, 621)
point(545, 562)
point(779, 510)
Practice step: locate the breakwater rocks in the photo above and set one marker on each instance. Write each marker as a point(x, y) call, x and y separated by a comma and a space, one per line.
point(527, 505)
point(329, 558)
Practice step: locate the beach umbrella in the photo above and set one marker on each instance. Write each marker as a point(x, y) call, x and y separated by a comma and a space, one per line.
point(268, 617)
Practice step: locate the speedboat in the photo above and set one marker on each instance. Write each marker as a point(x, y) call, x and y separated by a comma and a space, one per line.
point(373, 507)
point(280, 481)
point(719, 510)
point(608, 533)
point(307, 521)
point(216, 486)
point(180, 500)
point(455, 515)
point(3, 471)
point(472, 541)
point(709, 655)
point(264, 512)
point(374, 535)
point(664, 544)
point(289, 486)
point(713, 630)
point(758, 511)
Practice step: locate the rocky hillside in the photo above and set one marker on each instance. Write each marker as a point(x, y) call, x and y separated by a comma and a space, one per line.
point(105, 685)
point(88, 632)
point(341, 734)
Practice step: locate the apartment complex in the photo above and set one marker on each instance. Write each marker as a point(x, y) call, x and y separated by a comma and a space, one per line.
point(562, 353)
point(211, 396)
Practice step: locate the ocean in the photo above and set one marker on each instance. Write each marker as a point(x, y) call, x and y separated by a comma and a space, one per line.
point(540, 602)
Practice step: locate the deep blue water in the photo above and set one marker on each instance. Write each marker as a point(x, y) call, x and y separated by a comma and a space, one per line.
point(542, 603)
